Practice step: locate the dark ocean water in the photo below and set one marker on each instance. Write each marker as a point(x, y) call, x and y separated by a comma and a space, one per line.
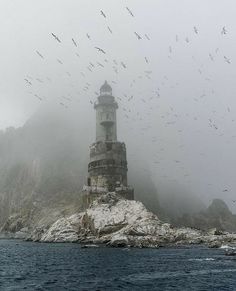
point(35, 266)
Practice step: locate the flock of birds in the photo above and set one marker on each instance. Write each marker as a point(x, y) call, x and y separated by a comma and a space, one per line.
point(127, 102)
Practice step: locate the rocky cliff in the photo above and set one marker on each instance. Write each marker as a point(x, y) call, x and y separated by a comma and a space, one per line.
point(42, 165)
point(217, 215)
point(115, 221)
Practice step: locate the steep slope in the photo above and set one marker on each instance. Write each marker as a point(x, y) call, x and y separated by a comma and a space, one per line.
point(217, 215)
point(41, 164)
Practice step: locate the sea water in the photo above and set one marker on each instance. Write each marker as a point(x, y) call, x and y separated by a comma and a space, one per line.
point(50, 266)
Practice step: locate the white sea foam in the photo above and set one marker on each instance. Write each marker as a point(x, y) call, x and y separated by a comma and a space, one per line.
point(202, 259)
point(225, 247)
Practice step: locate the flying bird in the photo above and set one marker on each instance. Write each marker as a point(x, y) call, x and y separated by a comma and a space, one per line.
point(37, 96)
point(62, 104)
point(195, 29)
point(60, 62)
point(211, 57)
point(100, 50)
point(56, 37)
point(223, 31)
point(146, 60)
point(130, 12)
point(99, 64)
point(123, 65)
point(103, 14)
point(41, 56)
point(88, 36)
point(28, 82)
point(227, 60)
point(75, 44)
point(109, 29)
point(138, 36)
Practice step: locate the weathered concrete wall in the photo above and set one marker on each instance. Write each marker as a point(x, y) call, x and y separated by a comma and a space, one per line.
point(106, 118)
point(108, 165)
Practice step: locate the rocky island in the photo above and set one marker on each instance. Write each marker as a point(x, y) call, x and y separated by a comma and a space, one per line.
point(40, 197)
point(117, 222)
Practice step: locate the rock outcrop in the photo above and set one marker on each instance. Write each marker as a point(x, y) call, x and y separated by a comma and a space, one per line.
point(217, 215)
point(118, 222)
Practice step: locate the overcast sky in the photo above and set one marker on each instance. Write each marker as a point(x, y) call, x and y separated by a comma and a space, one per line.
point(181, 74)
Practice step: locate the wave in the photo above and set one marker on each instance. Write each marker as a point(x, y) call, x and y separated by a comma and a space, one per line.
point(202, 259)
point(165, 275)
point(226, 247)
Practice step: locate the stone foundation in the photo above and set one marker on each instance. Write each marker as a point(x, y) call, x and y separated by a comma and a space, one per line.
point(90, 194)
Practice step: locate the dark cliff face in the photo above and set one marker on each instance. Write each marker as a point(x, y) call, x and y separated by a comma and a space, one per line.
point(217, 215)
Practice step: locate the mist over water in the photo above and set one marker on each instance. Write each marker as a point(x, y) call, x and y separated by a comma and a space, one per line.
point(175, 86)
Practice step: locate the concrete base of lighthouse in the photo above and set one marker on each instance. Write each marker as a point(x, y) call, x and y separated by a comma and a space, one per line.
point(89, 194)
point(107, 171)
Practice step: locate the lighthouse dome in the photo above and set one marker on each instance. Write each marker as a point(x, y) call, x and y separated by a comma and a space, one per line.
point(106, 89)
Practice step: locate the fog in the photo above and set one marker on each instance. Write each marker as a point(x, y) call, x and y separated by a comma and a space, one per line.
point(175, 86)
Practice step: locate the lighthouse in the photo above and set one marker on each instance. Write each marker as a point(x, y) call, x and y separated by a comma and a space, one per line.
point(107, 168)
point(106, 106)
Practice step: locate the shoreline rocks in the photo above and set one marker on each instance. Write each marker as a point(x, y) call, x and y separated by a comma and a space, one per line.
point(117, 222)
